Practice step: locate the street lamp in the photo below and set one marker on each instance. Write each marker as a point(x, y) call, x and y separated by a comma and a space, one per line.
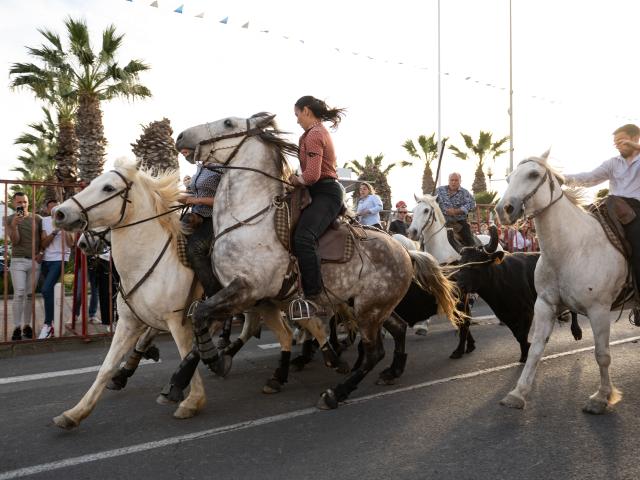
point(489, 174)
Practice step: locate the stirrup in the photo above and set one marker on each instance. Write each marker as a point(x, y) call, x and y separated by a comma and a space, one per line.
point(300, 309)
point(192, 309)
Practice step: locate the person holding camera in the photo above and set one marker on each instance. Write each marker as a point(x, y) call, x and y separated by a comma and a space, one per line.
point(26, 235)
point(55, 248)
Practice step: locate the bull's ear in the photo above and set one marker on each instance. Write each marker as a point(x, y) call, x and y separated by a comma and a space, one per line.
point(497, 257)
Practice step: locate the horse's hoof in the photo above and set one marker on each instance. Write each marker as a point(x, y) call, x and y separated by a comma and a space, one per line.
point(152, 353)
point(184, 412)
point(343, 368)
point(170, 399)
point(328, 400)
point(512, 401)
point(385, 380)
point(118, 381)
point(272, 386)
point(595, 407)
point(223, 365)
point(63, 421)
point(456, 354)
point(470, 348)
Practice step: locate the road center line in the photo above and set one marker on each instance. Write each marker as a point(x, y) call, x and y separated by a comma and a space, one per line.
point(143, 447)
point(60, 373)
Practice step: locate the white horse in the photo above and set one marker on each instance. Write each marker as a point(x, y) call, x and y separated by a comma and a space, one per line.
point(428, 227)
point(579, 268)
point(119, 198)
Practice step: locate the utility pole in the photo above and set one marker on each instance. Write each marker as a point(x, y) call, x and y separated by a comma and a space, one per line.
point(510, 93)
point(439, 130)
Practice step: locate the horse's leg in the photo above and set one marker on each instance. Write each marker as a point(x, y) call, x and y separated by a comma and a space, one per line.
point(398, 330)
point(142, 349)
point(196, 399)
point(307, 352)
point(373, 353)
point(544, 319)
point(272, 317)
point(225, 337)
point(127, 332)
point(250, 328)
point(607, 394)
point(331, 359)
point(576, 331)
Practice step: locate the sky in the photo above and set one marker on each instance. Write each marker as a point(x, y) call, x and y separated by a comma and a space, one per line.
point(575, 71)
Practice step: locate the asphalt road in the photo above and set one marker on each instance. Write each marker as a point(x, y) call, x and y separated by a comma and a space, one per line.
point(442, 419)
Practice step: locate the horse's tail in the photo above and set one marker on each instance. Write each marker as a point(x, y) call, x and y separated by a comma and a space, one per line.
point(430, 277)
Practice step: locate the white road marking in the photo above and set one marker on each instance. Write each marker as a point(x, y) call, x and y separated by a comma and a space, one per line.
point(143, 447)
point(60, 373)
point(484, 317)
point(267, 346)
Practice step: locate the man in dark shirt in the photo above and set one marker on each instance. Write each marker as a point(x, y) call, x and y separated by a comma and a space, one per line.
point(399, 225)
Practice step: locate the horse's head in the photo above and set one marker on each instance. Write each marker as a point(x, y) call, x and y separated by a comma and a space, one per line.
point(102, 203)
point(192, 143)
point(426, 216)
point(524, 189)
point(94, 242)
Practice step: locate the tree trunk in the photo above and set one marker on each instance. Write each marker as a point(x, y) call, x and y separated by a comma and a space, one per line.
point(67, 155)
point(479, 182)
point(91, 137)
point(428, 184)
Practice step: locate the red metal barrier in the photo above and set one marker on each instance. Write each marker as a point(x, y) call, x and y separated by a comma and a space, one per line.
point(64, 314)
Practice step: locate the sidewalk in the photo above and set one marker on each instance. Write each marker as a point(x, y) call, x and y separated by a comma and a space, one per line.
point(92, 329)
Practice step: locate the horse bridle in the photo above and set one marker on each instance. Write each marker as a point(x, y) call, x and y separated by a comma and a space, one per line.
point(430, 220)
point(124, 194)
point(552, 186)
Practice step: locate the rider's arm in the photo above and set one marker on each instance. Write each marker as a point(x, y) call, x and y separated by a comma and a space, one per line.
point(314, 143)
point(468, 204)
point(589, 179)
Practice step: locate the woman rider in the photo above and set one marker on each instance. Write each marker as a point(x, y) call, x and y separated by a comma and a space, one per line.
point(318, 166)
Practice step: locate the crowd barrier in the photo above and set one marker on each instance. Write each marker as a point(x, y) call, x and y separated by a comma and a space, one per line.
point(71, 293)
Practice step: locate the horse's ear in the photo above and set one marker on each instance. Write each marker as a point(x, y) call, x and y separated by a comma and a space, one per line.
point(416, 197)
point(545, 155)
point(263, 119)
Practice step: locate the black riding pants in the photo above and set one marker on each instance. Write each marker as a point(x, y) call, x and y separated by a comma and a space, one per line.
point(632, 231)
point(315, 219)
point(198, 249)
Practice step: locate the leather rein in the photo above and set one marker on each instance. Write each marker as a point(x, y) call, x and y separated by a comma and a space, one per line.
point(552, 186)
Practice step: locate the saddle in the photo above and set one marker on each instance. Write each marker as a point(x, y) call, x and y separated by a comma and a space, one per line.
point(337, 243)
point(613, 213)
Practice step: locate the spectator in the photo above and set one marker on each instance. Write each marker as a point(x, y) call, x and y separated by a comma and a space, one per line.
point(92, 262)
point(186, 181)
point(25, 233)
point(399, 224)
point(56, 249)
point(369, 206)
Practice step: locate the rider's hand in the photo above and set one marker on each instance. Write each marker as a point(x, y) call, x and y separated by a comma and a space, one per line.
point(296, 181)
point(631, 144)
point(186, 199)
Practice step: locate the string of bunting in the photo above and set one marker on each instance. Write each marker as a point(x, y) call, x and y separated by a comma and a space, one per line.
point(459, 76)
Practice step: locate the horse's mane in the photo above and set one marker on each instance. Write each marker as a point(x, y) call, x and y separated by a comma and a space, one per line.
point(162, 187)
point(431, 200)
point(273, 137)
point(576, 195)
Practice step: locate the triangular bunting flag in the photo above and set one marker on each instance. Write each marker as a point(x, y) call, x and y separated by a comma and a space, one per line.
point(154, 4)
point(224, 20)
point(200, 15)
point(179, 9)
point(301, 41)
point(246, 25)
point(264, 31)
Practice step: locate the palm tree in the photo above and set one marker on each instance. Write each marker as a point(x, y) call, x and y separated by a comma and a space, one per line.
point(485, 147)
point(428, 153)
point(38, 158)
point(156, 148)
point(91, 78)
point(51, 83)
point(371, 171)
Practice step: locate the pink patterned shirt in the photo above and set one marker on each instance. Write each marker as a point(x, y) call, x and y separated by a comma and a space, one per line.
point(316, 155)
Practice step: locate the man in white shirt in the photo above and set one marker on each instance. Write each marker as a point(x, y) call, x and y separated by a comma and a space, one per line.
point(623, 173)
point(56, 246)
